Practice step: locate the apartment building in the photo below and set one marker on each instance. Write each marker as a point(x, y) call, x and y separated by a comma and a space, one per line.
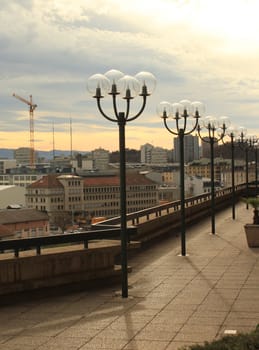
point(153, 155)
point(202, 168)
point(98, 195)
point(102, 194)
point(191, 148)
point(6, 164)
point(21, 180)
point(23, 223)
point(56, 194)
point(22, 155)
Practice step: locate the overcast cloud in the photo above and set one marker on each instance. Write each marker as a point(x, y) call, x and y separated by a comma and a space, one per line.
point(202, 50)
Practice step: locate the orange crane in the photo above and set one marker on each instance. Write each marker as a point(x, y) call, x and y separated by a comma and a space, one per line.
point(32, 107)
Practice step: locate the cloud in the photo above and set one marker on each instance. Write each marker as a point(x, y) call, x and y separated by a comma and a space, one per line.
point(195, 49)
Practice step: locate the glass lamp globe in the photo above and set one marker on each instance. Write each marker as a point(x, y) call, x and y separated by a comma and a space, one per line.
point(224, 122)
point(98, 85)
point(177, 110)
point(232, 131)
point(114, 75)
point(242, 131)
point(128, 86)
point(198, 109)
point(254, 139)
point(210, 122)
point(248, 139)
point(186, 106)
point(164, 109)
point(147, 82)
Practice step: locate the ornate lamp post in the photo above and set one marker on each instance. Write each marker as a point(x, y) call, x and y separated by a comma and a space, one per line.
point(231, 132)
point(256, 164)
point(216, 129)
point(116, 84)
point(244, 143)
point(181, 112)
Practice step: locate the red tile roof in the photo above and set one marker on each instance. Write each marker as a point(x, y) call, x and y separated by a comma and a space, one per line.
point(48, 181)
point(131, 179)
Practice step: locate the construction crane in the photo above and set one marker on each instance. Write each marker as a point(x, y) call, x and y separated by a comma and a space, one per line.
point(32, 107)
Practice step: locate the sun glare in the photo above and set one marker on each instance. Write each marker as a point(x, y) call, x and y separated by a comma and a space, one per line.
point(234, 22)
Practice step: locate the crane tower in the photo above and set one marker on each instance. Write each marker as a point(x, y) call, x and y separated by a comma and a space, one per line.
point(32, 107)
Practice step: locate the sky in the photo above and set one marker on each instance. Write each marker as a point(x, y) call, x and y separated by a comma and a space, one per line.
point(200, 50)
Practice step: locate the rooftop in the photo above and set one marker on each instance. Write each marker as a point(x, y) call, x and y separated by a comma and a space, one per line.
point(11, 216)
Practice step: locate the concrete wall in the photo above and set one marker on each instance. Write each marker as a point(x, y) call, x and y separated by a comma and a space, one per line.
point(58, 267)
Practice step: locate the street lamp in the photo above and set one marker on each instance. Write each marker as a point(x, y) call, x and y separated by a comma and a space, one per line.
point(232, 132)
point(244, 144)
point(256, 164)
point(180, 112)
point(216, 129)
point(116, 84)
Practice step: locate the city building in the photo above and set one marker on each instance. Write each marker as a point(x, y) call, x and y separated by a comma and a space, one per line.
point(61, 196)
point(7, 164)
point(82, 162)
point(22, 155)
point(66, 196)
point(205, 148)
point(202, 168)
point(100, 159)
point(191, 149)
point(23, 223)
point(145, 153)
point(22, 180)
point(197, 185)
point(12, 195)
point(102, 194)
point(153, 155)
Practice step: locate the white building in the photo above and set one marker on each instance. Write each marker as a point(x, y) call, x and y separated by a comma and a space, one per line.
point(21, 180)
point(6, 164)
point(100, 159)
point(196, 185)
point(23, 155)
point(145, 153)
point(11, 195)
point(191, 148)
point(153, 155)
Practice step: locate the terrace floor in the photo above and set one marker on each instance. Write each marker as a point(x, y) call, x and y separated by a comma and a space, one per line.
point(173, 300)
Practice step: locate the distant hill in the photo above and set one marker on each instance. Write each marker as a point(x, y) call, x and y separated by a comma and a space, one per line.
point(8, 153)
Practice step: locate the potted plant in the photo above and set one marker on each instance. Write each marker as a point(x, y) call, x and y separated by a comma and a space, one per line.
point(252, 230)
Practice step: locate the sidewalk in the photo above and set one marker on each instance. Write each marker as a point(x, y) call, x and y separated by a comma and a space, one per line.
point(173, 300)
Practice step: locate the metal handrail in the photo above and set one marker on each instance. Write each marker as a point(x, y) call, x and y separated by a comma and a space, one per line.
point(17, 245)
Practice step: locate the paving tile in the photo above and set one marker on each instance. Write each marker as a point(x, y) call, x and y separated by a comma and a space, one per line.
point(177, 345)
point(105, 343)
point(173, 301)
point(146, 345)
point(28, 341)
point(63, 343)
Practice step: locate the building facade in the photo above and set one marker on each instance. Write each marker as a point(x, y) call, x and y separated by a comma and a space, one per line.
point(24, 223)
point(22, 155)
point(153, 155)
point(6, 164)
point(21, 180)
point(191, 149)
point(99, 195)
point(100, 159)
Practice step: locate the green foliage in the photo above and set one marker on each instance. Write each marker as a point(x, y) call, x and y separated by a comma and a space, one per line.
point(249, 341)
point(253, 201)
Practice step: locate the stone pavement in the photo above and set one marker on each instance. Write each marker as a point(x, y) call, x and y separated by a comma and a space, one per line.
point(173, 300)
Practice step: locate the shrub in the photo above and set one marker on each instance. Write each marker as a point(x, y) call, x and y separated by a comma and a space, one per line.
point(249, 341)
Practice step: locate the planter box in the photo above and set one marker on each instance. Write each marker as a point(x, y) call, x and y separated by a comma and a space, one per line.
point(252, 235)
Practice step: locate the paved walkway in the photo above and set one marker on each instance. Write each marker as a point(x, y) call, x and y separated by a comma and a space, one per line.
point(173, 300)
